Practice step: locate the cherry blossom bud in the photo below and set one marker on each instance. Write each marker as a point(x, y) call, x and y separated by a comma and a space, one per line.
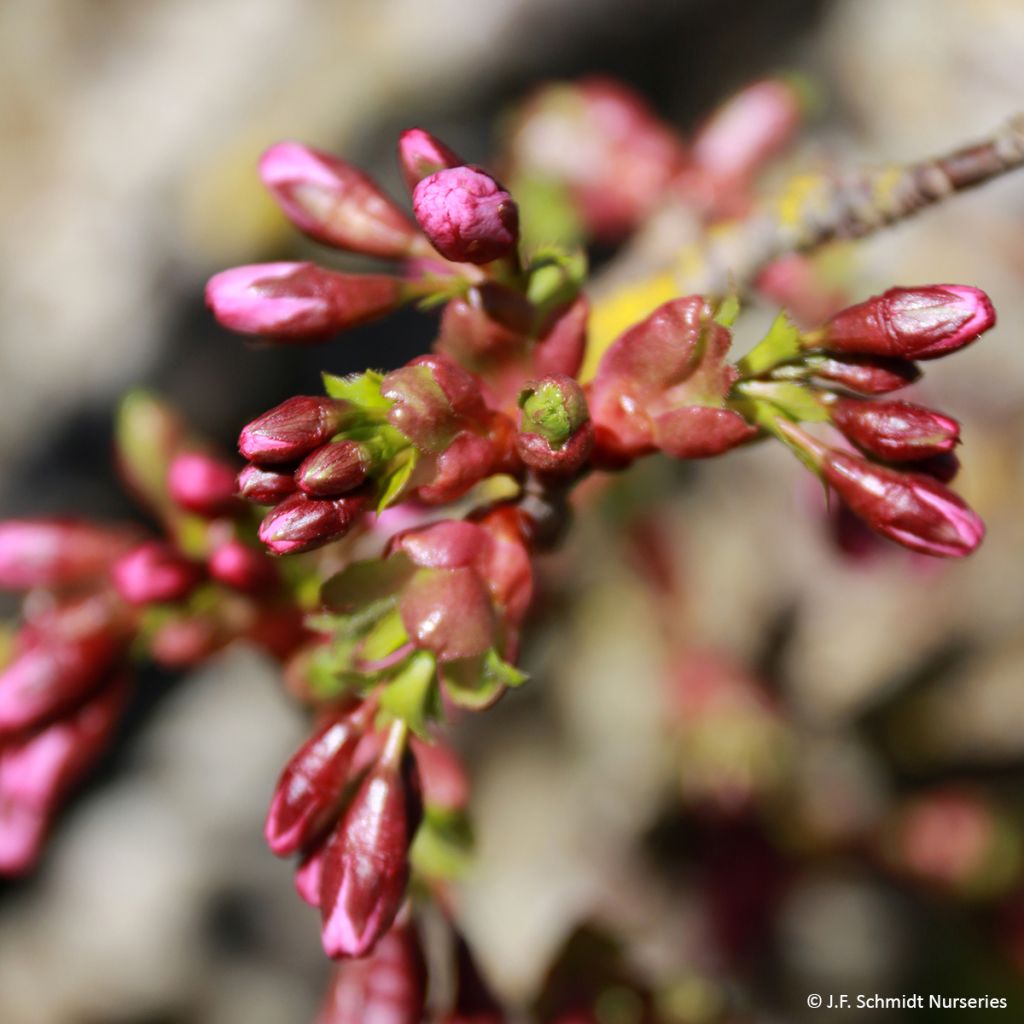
point(293, 429)
point(335, 203)
point(387, 987)
point(868, 375)
point(60, 664)
point(298, 302)
point(335, 469)
point(895, 431)
point(421, 155)
point(301, 523)
point(309, 792)
point(264, 486)
point(910, 508)
point(555, 431)
point(202, 484)
point(366, 862)
point(944, 466)
point(237, 565)
point(913, 323)
point(309, 876)
point(467, 216)
point(155, 573)
point(55, 552)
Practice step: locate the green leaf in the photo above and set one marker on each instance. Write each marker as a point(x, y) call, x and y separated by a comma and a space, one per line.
point(397, 476)
point(728, 310)
point(475, 683)
point(497, 668)
point(361, 389)
point(779, 345)
point(385, 637)
point(443, 846)
point(365, 582)
point(547, 214)
point(412, 695)
point(797, 401)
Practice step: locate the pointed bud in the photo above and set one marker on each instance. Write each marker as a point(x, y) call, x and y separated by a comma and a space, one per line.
point(293, 429)
point(912, 323)
point(387, 987)
point(202, 484)
point(467, 216)
point(309, 791)
point(335, 469)
point(894, 431)
point(55, 552)
point(943, 467)
point(334, 203)
point(241, 567)
point(60, 664)
point(264, 486)
point(366, 860)
point(155, 573)
point(300, 523)
point(421, 155)
point(868, 375)
point(298, 302)
point(912, 509)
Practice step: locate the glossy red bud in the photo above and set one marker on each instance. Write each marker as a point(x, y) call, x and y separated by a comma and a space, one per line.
point(56, 552)
point(301, 523)
point(293, 429)
point(868, 375)
point(202, 484)
point(241, 567)
point(892, 430)
point(421, 154)
point(155, 573)
point(265, 486)
point(334, 469)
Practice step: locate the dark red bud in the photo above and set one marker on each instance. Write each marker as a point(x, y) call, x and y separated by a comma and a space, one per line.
point(894, 431)
point(264, 486)
point(334, 469)
point(301, 523)
point(293, 429)
point(202, 484)
point(155, 573)
point(868, 375)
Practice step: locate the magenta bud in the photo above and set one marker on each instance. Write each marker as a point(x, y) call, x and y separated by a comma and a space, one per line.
point(55, 552)
point(301, 523)
point(868, 375)
point(387, 987)
point(335, 203)
point(241, 567)
point(894, 431)
point(308, 794)
point(202, 484)
point(298, 302)
point(334, 469)
point(366, 860)
point(309, 875)
point(155, 573)
point(293, 429)
point(421, 155)
point(910, 508)
point(264, 486)
point(467, 216)
point(913, 323)
point(700, 432)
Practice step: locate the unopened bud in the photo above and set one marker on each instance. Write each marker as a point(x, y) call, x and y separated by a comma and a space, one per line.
point(333, 202)
point(467, 216)
point(913, 323)
point(155, 573)
point(895, 431)
point(241, 567)
point(55, 552)
point(421, 155)
point(868, 375)
point(334, 469)
point(264, 486)
point(202, 484)
point(298, 302)
point(293, 429)
point(301, 523)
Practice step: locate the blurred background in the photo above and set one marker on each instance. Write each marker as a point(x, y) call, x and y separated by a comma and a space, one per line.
point(763, 768)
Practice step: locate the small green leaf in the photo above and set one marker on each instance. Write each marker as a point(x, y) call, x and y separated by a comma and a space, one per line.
point(361, 389)
point(728, 310)
point(497, 668)
point(412, 695)
point(780, 344)
point(795, 400)
point(475, 683)
point(443, 846)
point(364, 582)
point(385, 637)
point(397, 476)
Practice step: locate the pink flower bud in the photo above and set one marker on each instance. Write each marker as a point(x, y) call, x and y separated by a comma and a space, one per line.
point(910, 508)
point(309, 792)
point(201, 484)
point(155, 573)
point(913, 323)
point(309, 876)
point(334, 469)
point(264, 486)
point(298, 302)
point(448, 611)
point(241, 567)
point(366, 860)
point(387, 987)
point(300, 523)
point(467, 216)
point(60, 665)
point(868, 375)
point(895, 431)
point(293, 429)
point(55, 552)
point(700, 431)
point(334, 202)
point(421, 155)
